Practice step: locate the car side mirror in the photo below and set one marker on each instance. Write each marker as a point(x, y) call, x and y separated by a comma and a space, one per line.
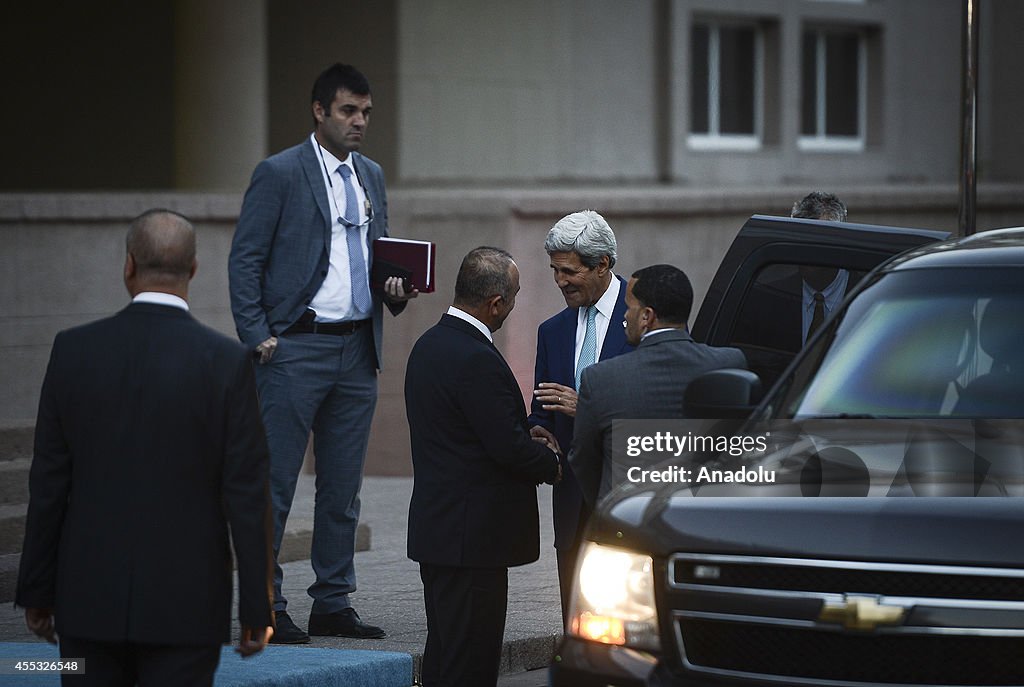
point(727, 393)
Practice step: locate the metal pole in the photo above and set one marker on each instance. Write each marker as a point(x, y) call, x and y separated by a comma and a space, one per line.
point(969, 118)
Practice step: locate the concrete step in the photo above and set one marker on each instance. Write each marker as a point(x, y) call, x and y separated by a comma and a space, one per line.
point(14, 481)
point(298, 542)
point(8, 576)
point(12, 527)
point(294, 547)
point(275, 666)
point(16, 441)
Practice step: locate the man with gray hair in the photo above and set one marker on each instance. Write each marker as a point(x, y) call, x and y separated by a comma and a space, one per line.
point(823, 287)
point(582, 250)
point(820, 205)
point(788, 303)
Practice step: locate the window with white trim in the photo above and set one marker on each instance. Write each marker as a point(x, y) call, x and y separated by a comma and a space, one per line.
point(833, 97)
point(726, 86)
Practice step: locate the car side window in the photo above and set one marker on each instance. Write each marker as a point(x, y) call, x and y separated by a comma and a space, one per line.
point(777, 312)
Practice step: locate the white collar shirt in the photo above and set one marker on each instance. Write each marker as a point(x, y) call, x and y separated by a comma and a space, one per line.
point(333, 301)
point(160, 298)
point(466, 317)
point(833, 295)
point(605, 308)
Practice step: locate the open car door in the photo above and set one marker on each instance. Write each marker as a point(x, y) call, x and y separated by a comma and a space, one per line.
point(760, 299)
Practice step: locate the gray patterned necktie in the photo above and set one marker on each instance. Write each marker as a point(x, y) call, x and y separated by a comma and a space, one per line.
point(588, 353)
point(356, 264)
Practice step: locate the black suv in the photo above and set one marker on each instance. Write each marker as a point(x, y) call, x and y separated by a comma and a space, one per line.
point(914, 386)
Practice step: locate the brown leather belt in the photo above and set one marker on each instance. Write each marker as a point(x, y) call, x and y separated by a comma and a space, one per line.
point(333, 328)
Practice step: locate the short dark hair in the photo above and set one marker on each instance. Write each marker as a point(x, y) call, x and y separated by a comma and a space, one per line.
point(820, 205)
point(485, 272)
point(338, 76)
point(666, 290)
point(162, 243)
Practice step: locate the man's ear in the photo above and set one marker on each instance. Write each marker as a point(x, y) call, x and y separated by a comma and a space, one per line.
point(192, 270)
point(129, 266)
point(647, 318)
point(604, 264)
point(494, 304)
point(319, 114)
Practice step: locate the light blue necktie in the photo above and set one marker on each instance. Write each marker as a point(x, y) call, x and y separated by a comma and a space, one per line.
point(588, 353)
point(356, 264)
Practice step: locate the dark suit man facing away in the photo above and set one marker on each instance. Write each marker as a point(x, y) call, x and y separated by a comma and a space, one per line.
point(476, 469)
point(649, 382)
point(149, 453)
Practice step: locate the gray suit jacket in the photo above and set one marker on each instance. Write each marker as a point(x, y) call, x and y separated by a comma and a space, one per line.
point(280, 251)
point(646, 384)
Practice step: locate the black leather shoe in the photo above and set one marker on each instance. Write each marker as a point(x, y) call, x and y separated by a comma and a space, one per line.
point(345, 623)
point(286, 631)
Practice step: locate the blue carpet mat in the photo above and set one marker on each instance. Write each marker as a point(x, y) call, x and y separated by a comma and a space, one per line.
point(276, 666)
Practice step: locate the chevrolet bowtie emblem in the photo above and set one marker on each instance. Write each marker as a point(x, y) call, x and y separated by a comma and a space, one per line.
point(862, 613)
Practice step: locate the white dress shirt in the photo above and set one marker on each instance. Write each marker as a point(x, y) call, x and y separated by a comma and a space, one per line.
point(605, 307)
point(333, 302)
point(833, 295)
point(463, 315)
point(160, 298)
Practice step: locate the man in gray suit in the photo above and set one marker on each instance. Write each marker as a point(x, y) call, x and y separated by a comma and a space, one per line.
point(301, 300)
point(649, 382)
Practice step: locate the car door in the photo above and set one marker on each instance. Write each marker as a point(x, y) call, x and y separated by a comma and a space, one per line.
point(757, 300)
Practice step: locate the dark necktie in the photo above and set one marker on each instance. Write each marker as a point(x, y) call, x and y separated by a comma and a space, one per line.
point(819, 314)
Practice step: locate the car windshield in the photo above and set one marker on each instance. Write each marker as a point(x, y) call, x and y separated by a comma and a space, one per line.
point(938, 342)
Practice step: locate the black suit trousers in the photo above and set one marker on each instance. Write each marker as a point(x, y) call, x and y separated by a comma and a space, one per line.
point(465, 624)
point(125, 664)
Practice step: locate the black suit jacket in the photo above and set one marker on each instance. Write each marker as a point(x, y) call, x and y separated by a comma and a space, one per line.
point(476, 469)
point(149, 448)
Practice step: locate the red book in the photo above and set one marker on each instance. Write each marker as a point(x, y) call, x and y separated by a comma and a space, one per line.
point(411, 260)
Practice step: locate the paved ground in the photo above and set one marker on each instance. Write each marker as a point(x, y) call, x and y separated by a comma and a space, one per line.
point(532, 678)
point(390, 593)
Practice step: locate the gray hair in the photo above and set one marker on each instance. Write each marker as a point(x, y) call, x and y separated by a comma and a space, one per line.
point(820, 205)
point(485, 272)
point(585, 233)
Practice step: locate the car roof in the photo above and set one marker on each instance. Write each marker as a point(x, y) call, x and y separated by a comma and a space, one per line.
point(993, 247)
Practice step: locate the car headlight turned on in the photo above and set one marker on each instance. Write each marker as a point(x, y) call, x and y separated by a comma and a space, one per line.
point(613, 598)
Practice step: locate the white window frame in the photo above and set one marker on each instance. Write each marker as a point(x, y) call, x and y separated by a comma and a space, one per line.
point(713, 139)
point(821, 141)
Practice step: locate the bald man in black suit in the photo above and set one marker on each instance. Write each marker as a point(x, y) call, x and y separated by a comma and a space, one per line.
point(149, 453)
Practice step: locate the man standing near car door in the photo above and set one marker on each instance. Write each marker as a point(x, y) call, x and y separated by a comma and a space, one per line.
point(301, 300)
point(787, 303)
point(582, 250)
point(823, 288)
point(647, 384)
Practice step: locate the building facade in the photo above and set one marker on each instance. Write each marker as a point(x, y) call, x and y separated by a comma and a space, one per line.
point(677, 119)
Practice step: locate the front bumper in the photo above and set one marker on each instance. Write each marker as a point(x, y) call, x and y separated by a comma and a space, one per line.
point(579, 663)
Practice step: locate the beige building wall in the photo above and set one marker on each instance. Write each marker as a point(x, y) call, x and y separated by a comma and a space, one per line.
point(528, 91)
point(62, 257)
